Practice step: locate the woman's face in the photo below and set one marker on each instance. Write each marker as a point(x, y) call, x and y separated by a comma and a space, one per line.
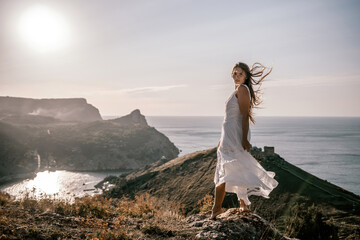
point(239, 76)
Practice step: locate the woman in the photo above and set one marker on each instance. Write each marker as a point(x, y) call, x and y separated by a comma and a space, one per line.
point(236, 170)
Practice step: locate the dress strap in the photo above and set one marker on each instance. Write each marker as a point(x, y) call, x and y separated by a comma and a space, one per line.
point(247, 89)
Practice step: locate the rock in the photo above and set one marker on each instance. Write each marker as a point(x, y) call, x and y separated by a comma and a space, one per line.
point(50, 214)
point(197, 224)
point(134, 118)
point(234, 224)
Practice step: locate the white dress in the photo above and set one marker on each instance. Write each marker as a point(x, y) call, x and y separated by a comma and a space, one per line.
point(236, 167)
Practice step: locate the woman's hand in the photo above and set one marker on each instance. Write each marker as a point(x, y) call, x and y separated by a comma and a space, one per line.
point(246, 145)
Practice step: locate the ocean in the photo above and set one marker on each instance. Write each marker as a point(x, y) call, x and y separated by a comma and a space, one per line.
point(327, 147)
point(59, 184)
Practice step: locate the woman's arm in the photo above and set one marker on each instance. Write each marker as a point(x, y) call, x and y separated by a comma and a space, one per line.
point(244, 105)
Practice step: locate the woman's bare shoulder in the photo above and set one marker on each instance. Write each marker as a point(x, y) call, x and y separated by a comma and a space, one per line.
point(242, 90)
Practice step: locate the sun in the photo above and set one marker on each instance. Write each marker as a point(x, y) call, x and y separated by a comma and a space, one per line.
point(43, 29)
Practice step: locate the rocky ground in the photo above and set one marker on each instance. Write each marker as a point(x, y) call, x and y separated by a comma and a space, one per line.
point(233, 224)
point(145, 217)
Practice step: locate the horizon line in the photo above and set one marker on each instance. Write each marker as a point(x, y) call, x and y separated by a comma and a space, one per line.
point(223, 116)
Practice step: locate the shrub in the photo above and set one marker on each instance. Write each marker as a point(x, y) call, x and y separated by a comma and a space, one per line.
point(45, 204)
point(177, 209)
point(96, 206)
point(30, 204)
point(4, 198)
point(307, 223)
point(143, 205)
point(206, 203)
point(64, 208)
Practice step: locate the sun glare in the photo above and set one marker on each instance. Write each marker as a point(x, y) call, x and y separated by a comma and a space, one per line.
point(45, 182)
point(43, 29)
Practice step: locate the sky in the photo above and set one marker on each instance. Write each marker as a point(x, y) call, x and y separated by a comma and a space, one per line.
point(174, 58)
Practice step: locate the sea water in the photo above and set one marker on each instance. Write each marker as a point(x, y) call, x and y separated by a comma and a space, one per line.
point(327, 147)
point(59, 184)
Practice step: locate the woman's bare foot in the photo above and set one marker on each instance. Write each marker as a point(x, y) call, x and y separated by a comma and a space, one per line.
point(216, 213)
point(243, 207)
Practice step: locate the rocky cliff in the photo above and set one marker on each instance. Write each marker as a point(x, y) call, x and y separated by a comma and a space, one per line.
point(134, 118)
point(125, 143)
point(299, 205)
point(16, 157)
point(71, 109)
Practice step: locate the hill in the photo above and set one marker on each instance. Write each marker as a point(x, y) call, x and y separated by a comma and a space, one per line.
point(188, 179)
point(82, 146)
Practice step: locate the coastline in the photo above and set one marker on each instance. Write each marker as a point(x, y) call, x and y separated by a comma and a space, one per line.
point(10, 180)
point(16, 177)
point(171, 180)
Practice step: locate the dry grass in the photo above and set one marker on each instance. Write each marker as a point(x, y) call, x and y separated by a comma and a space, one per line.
point(206, 203)
point(304, 221)
point(97, 217)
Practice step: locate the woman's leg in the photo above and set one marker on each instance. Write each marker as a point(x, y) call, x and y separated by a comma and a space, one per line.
point(243, 206)
point(219, 198)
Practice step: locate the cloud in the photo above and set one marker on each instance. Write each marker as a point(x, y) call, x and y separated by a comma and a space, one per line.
point(150, 89)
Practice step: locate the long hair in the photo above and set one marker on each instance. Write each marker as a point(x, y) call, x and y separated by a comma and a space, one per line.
point(257, 71)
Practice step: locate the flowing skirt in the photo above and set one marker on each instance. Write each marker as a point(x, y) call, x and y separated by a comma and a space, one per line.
point(240, 171)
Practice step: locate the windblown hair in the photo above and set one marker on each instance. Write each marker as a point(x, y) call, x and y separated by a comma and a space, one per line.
point(257, 71)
